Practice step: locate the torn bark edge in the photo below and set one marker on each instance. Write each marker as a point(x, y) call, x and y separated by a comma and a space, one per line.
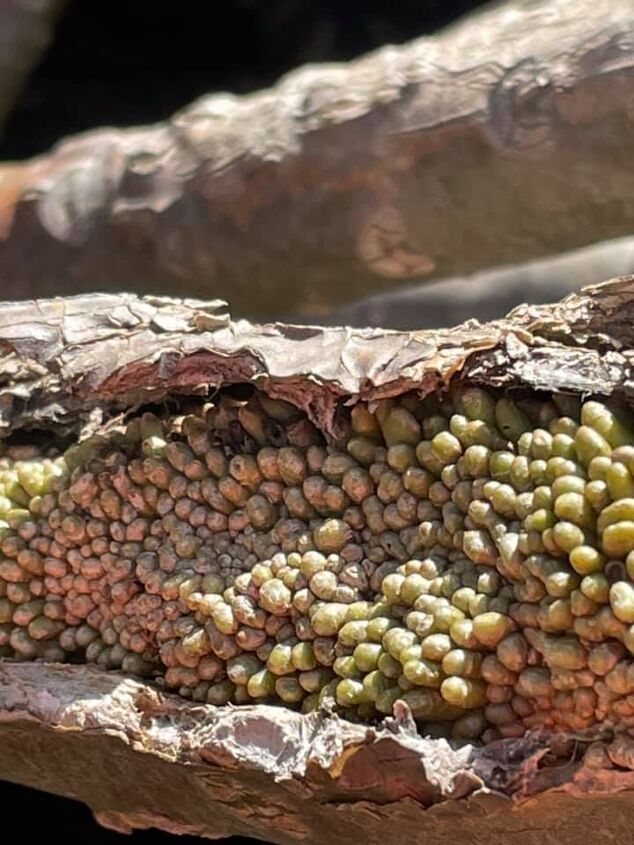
point(64, 361)
point(139, 758)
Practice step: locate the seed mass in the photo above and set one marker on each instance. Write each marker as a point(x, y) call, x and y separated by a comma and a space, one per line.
point(470, 555)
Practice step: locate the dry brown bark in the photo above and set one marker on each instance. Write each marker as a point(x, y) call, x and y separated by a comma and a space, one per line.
point(25, 32)
point(505, 137)
point(141, 758)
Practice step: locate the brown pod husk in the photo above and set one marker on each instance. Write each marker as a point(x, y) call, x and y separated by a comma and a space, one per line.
point(68, 367)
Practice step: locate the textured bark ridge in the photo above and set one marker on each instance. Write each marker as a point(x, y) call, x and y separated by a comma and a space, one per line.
point(69, 362)
point(142, 758)
point(472, 148)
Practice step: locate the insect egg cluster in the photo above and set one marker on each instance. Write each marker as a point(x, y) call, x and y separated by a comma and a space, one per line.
point(470, 555)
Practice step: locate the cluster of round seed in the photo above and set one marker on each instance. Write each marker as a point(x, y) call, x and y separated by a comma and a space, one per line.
point(471, 556)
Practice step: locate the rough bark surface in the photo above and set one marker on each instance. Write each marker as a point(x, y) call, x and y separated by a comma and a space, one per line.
point(140, 758)
point(25, 32)
point(501, 139)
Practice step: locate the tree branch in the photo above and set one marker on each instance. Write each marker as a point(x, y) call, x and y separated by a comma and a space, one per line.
point(142, 758)
point(504, 138)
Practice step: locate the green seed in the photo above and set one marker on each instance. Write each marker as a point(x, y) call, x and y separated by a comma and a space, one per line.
point(590, 444)
point(541, 444)
point(446, 447)
point(565, 653)
point(386, 700)
point(619, 481)
point(423, 672)
point(261, 684)
point(596, 587)
point(511, 421)
point(397, 639)
point(462, 662)
point(353, 633)
point(586, 559)
point(500, 465)
point(400, 426)
point(349, 693)
point(389, 666)
point(461, 633)
point(315, 679)
point(221, 693)
point(573, 507)
point(568, 484)
point(463, 692)
point(303, 657)
point(477, 404)
point(331, 536)
point(618, 539)
point(489, 628)
point(606, 423)
point(436, 646)
point(568, 535)
point(622, 601)
point(597, 494)
point(366, 656)
point(242, 667)
point(620, 511)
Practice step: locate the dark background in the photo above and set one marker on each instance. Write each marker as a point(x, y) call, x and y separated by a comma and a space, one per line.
point(123, 62)
point(118, 62)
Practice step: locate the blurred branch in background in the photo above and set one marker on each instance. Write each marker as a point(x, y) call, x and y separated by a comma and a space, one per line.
point(504, 138)
point(26, 28)
point(490, 294)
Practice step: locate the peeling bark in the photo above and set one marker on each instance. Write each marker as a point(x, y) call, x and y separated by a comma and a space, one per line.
point(69, 360)
point(504, 138)
point(141, 758)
